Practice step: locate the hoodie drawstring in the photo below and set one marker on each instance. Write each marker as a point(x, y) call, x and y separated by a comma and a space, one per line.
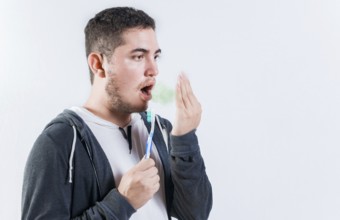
point(72, 153)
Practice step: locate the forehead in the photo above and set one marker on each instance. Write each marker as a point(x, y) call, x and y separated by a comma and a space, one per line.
point(140, 38)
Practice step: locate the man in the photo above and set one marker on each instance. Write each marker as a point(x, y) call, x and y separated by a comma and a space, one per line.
point(89, 162)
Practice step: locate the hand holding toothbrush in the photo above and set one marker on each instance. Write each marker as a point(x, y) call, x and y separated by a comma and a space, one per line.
point(188, 108)
point(140, 183)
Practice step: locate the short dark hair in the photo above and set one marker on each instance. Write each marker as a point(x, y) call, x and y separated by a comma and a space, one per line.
point(103, 32)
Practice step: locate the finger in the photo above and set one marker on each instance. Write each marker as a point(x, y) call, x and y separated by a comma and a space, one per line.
point(183, 89)
point(154, 187)
point(144, 164)
point(153, 171)
point(156, 183)
point(153, 182)
point(187, 90)
point(179, 97)
point(190, 94)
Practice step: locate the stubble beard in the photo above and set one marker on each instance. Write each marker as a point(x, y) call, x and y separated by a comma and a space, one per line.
point(115, 101)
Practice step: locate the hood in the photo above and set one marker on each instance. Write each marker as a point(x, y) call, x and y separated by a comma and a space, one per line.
point(79, 128)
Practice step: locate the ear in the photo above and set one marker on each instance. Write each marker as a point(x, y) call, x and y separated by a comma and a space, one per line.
point(95, 62)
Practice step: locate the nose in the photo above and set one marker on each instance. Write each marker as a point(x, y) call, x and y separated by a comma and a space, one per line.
point(151, 68)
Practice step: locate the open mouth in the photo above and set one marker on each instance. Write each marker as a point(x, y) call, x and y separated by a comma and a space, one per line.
point(147, 89)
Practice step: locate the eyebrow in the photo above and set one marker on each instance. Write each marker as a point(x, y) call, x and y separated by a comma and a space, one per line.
point(145, 50)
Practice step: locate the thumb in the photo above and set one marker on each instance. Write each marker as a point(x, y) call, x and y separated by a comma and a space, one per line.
point(145, 163)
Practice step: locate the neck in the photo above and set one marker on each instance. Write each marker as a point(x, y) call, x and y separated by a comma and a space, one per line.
point(121, 119)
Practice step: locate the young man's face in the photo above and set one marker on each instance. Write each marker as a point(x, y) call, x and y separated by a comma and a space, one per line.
point(132, 70)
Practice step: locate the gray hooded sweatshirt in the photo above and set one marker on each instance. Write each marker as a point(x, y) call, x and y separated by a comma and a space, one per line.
point(68, 175)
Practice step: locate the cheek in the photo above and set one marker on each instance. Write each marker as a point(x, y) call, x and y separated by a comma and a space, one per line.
point(132, 70)
point(127, 81)
point(129, 73)
point(126, 85)
point(133, 66)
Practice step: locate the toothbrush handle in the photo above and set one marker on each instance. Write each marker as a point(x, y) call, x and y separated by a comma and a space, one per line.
point(148, 145)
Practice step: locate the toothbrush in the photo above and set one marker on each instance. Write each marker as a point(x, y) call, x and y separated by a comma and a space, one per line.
point(150, 117)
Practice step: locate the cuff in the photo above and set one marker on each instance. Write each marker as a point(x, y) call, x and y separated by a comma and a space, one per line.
point(184, 145)
point(119, 205)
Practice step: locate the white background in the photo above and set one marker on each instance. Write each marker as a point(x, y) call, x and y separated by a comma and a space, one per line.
point(265, 71)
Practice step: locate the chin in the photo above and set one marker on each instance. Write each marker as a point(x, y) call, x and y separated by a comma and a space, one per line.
point(140, 108)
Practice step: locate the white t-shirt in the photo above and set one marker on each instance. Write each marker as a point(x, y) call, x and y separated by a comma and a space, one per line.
point(116, 148)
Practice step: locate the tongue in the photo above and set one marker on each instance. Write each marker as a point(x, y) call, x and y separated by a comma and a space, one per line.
point(146, 90)
point(146, 94)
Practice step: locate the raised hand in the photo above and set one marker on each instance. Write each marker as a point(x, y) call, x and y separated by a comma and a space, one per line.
point(140, 183)
point(188, 108)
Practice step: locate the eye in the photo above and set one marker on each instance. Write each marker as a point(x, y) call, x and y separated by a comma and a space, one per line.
point(157, 57)
point(138, 57)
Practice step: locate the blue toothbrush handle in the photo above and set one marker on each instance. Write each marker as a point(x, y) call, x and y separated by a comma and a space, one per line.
point(148, 145)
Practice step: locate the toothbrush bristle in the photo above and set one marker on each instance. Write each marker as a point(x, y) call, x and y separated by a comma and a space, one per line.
point(148, 116)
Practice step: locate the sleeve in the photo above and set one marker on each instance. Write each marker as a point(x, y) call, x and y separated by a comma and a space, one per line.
point(113, 206)
point(192, 189)
point(47, 194)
